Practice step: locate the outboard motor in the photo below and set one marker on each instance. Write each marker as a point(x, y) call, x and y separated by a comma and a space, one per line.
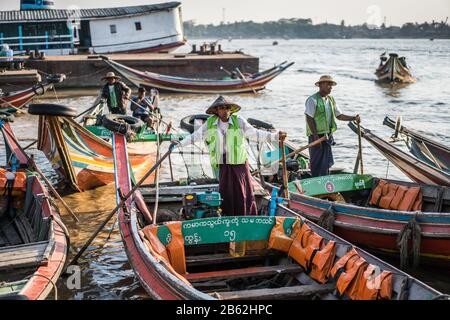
point(201, 205)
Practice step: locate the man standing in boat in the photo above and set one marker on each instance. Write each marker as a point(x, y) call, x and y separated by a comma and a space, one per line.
point(225, 134)
point(116, 94)
point(321, 113)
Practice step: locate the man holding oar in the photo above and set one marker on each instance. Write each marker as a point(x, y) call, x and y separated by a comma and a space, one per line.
point(142, 108)
point(225, 133)
point(320, 113)
point(116, 94)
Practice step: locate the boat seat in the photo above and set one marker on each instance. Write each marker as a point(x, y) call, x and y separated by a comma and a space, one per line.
point(276, 293)
point(244, 272)
point(223, 258)
point(25, 255)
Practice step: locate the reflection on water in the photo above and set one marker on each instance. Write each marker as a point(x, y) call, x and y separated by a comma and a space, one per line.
point(105, 271)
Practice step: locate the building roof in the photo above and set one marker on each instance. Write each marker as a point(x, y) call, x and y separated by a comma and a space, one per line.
point(82, 14)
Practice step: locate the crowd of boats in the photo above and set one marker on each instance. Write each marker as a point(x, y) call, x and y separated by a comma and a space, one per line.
point(304, 243)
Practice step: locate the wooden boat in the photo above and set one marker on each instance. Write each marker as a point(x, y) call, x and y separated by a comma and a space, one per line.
point(423, 148)
point(205, 259)
point(11, 101)
point(167, 83)
point(346, 199)
point(417, 170)
point(394, 69)
point(33, 240)
point(84, 160)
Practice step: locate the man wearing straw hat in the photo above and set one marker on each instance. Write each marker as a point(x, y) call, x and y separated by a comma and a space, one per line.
point(320, 113)
point(116, 93)
point(224, 133)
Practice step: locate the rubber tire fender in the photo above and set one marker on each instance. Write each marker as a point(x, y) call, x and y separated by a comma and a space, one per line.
point(115, 123)
point(187, 123)
point(48, 109)
point(260, 124)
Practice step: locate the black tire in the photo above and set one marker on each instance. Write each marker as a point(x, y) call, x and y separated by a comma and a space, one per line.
point(48, 109)
point(6, 116)
point(261, 124)
point(187, 123)
point(120, 123)
point(165, 215)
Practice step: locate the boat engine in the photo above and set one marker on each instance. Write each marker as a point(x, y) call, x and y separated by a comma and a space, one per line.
point(201, 205)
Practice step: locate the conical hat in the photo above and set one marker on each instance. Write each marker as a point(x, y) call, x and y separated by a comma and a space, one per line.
point(110, 75)
point(222, 101)
point(326, 78)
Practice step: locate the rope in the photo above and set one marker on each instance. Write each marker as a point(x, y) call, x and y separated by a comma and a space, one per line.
point(411, 231)
point(327, 218)
point(50, 280)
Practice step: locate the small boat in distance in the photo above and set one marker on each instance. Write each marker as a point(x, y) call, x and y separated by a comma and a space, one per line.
point(165, 83)
point(423, 148)
point(34, 243)
point(393, 69)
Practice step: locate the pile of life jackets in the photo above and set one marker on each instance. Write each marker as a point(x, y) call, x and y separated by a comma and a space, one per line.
point(19, 182)
point(354, 277)
point(392, 196)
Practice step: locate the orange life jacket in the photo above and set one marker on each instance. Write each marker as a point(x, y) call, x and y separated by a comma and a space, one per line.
point(374, 286)
point(309, 250)
point(20, 182)
point(388, 195)
point(278, 239)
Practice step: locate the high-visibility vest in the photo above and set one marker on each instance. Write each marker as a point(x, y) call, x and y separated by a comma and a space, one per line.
point(234, 139)
point(320, 117)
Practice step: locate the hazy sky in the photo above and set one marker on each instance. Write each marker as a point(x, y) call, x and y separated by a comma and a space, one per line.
point(353, 12)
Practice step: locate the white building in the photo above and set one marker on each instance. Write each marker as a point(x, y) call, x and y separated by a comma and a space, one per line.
point(147, 28)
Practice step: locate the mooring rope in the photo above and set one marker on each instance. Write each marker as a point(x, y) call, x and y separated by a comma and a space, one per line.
point(327, 219)
point(411, 231)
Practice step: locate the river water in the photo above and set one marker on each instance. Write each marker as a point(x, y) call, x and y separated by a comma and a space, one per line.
point(105, 272)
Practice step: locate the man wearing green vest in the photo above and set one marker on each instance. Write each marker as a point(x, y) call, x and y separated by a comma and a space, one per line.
point(321, 113)
point(225, 134)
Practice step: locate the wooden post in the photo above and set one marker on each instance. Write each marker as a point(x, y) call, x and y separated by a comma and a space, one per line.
point(285, 174)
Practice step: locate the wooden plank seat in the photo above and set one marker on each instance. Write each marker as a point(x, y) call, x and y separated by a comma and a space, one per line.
point(303, 291)
point(25, 255)
point(243, 272)
point(222, 258)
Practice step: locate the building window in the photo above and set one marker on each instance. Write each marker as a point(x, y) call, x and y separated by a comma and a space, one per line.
point(138, 26)
point(113, 28)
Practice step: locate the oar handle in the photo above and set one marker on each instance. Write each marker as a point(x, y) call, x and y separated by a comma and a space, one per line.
point(310, 145)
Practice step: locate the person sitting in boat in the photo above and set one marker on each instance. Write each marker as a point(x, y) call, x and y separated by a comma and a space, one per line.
point(225, 134)
point(142, 107)
point(320, 113)
point(116, 93)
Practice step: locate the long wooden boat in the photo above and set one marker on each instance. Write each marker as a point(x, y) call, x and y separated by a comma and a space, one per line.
point(417, 170)
point(347, 199)
point(33, 240)
point(84, 160)
point(392, 70)
point(423, 148)
point(249, 257)
point(167, 83)
point(11, 101)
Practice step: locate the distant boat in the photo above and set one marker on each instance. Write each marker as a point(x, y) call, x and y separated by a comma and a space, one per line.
point(134, 29)
point(252, 83)
point(394, 69)
point(431, 39)
point(275, 43)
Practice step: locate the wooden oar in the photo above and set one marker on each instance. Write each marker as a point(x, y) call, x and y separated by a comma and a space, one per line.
point(121, 203)
point(14, 107)
point(245, 79)
point(293, 153)
point(41, 174)
point(360, 148)
point(87, 110)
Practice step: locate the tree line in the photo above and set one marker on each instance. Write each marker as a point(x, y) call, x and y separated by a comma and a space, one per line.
point(304, 28)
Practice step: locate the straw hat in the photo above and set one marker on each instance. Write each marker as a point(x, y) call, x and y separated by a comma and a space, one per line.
point(222, 101)
point(110, 75)
point(326, 78)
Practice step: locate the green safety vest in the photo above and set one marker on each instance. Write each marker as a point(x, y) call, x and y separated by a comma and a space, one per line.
point(320, 117)
point(234, 139)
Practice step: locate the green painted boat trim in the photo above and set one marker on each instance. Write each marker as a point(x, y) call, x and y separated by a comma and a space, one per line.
point(333, 183)
point(143, 136)
point(224, 229)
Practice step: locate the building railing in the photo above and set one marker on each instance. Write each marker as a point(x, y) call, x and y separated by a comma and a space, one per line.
point(47, 41)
